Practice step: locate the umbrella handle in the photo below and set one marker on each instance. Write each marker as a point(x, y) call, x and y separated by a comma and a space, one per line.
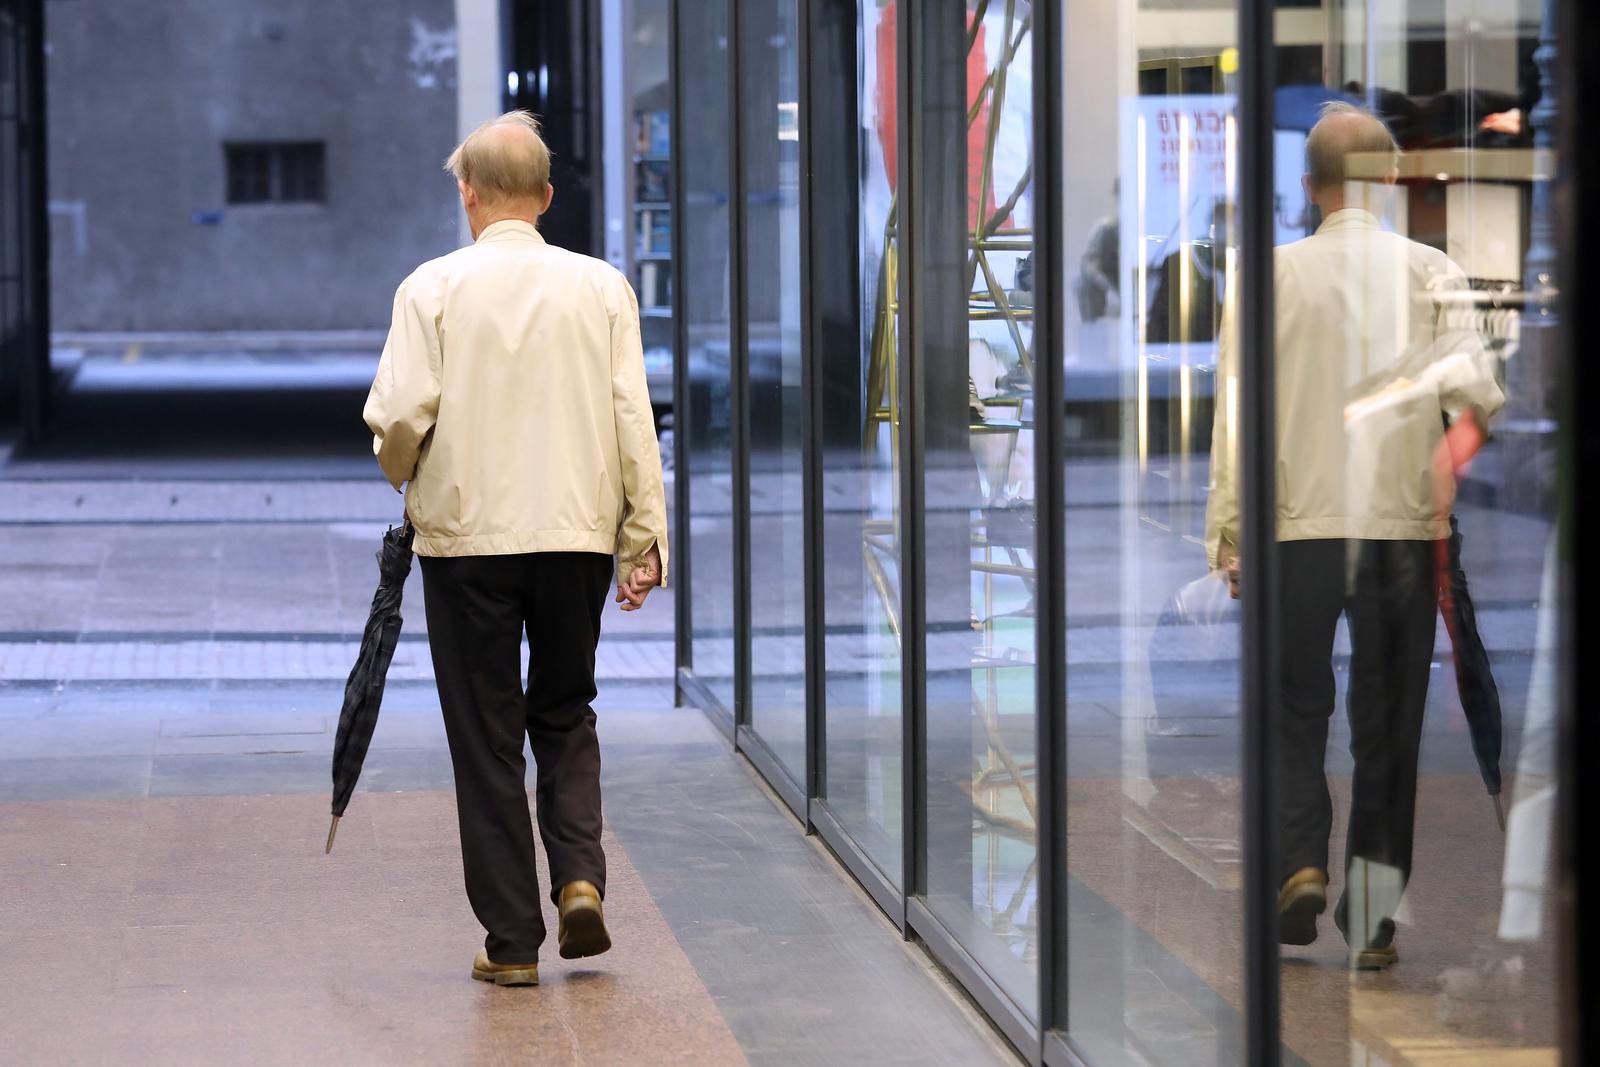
point(333, 828)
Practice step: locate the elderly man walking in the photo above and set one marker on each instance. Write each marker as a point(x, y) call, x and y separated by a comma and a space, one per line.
point(511, 403)
point(1374, 359)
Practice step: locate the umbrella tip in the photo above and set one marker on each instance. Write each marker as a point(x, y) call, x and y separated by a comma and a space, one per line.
point(1500, 812)
point(333, 828)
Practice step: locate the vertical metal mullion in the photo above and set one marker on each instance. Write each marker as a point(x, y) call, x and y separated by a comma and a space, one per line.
point(810, 424)
point(738, 368)
point(913, 615)
point(35, 269)
point(1258, 532)
point(1049, 334)
point(1577, 861)
point(683, 615)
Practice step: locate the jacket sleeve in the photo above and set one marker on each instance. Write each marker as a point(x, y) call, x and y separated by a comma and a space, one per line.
point(1222, 503)
point(644, 509)
point(404, 401)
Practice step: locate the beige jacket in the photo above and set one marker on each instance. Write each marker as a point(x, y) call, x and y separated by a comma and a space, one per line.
point(1371, 356)
point(511, 397)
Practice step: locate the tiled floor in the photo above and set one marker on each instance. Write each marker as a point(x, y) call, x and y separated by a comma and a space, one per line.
point(175, 626)
point(166, 851)
point(174, 632)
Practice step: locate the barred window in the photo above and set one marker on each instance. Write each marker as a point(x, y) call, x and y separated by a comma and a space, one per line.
point(286, 172)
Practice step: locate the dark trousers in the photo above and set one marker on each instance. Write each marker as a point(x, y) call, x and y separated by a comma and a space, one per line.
point(1386, 589)
point(477, 608)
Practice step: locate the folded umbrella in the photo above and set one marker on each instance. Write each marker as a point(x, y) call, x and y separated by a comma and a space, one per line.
point(1480, 697)
point(363, 692)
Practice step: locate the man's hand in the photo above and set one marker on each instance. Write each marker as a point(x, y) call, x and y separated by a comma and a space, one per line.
point(1228, 563)
point(1506, 122)
point(645, 577)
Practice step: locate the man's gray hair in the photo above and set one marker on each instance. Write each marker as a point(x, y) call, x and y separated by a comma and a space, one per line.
point(504, 159)
point(1342, 130)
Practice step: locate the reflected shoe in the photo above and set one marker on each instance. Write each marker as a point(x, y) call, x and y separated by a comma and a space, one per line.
point(1377, 954)
point(1374, 957)
point(583, 923)
point(1304, 896)
point(485, 970)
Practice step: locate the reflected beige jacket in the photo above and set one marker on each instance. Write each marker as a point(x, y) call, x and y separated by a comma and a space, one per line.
point(1374, 349)
point(511, 397)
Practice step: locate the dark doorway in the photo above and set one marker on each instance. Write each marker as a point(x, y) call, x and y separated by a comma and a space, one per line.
point(24, 231)
point(553, 59)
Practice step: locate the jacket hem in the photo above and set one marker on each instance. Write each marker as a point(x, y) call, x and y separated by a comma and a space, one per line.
point(512, 544)
point(1363, 529)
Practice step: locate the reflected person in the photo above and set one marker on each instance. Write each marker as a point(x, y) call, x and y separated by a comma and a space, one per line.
point(1373, 361)
point(511, 402)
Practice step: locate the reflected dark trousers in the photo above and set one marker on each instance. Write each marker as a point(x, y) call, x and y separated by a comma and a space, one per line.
point(1387, 591)
point(477, 609)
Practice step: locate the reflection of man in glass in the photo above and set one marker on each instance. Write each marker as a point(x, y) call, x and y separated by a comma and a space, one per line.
point(1369, 355)
point(1188, 300)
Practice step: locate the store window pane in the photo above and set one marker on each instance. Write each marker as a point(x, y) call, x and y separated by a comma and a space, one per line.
point(770, 145)
point(1414, 360)
point(861, 513)
point(707, 423)
point(1155, 915)
point(979, 578)
point(649, 88)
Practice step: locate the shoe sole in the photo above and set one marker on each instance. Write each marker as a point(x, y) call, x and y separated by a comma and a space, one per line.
point(1297, 916)
point(583, 932)
point(517, 977)
point(1374, 959)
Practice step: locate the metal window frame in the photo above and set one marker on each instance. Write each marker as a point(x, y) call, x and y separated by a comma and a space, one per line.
point(682, 601)
point(738, 370)
point(1049, 444)
point(1577, 851)
point(35, 382)
point(1258, 528)
point(810, 425)
point(913, 604)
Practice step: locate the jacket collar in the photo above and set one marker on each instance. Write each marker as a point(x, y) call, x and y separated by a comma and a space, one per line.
point(1350, 218)
point(509, 230)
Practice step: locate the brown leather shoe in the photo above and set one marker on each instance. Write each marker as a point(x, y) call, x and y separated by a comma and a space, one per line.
point(583, 924)
point(1374, 957)
point(1303, 897)
point(485, 970)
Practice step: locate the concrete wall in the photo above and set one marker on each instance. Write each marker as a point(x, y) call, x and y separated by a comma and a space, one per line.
point(142, 97)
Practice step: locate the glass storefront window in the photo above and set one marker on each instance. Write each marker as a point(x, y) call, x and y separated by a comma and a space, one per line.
point(980, 526)
point(861, 444)
point(1415, 516)
point(1154, 913)
point(704, 299)
point(1404, 609)
point(770, 149)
